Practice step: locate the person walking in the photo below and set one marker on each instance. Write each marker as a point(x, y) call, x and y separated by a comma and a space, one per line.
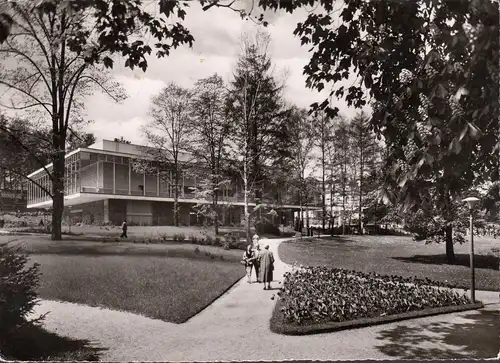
point(256, 262)
point(124, 230)
point(249, 258)
point(266, 259)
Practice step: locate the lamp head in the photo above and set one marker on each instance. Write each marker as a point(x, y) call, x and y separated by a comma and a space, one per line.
point(471, 201)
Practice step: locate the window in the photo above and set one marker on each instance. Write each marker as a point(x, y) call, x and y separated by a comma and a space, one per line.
point(141, 188)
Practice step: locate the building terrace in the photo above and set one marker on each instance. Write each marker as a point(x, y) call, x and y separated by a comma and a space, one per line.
point(101, 186)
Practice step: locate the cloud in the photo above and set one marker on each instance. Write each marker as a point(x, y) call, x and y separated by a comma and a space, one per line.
point(217, 34)
point(129, 128)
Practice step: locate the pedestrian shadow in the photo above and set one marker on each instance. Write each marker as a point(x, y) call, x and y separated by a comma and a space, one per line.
point(475, 339)
point(490, 262)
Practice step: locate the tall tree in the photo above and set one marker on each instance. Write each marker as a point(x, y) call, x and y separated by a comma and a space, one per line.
point(57, 46)
point(79, 139)
point(366, 158)
point(260, 135)
point(211, 128)
point(167, 135)
point(121, 140)
point(303, 139)
point(343, 163)
point(431, 71)
point(323, 136)
point(48, 78)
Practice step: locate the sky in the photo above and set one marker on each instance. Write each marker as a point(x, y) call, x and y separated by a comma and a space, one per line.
point(217, 34)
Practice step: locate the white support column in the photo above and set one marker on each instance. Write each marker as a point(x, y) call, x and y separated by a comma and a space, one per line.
point(144, 184)
point(75, 177)
point(129, 178)
point(97, 179)
point(114, 177)
point(157, 182)
point(182, 189)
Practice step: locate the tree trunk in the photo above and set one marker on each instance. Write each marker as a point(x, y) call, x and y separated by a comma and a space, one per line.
point(248, 231)
point(57, 195)
point(343, 213)
point(360, 212)
point(176, 202)
point(216, 214)
point(450, 253)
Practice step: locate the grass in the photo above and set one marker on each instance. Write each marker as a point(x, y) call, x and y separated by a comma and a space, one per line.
point(33, 343)
point(171, 283)
point(395, 255)
point(71, 246)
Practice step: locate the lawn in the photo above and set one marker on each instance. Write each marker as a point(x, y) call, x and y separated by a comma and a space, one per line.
point(167, 282)
point(391, 255)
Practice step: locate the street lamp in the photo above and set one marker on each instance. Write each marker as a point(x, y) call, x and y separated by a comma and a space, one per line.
point(69, 219)
point(471, 202)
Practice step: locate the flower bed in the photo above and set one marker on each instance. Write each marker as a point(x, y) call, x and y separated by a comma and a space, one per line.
point(316, 295)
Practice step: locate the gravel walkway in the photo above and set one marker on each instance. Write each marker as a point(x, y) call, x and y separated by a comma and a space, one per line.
point(236, 327)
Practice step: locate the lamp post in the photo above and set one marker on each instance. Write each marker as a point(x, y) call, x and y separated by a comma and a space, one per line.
point(471, 202)
point(69, 219)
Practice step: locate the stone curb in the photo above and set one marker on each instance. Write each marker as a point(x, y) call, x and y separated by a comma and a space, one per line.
point(278, 326)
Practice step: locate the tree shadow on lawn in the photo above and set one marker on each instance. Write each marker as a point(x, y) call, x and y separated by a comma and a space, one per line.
point(101, 250)
point(477, 338)
point(335, 241)
point(334, 238)
point(480, 261)
point(33, 343)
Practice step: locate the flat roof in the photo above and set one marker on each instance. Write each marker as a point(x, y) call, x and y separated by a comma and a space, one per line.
point(99, 150)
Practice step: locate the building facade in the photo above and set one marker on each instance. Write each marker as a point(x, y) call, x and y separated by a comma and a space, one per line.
point(13, 194)
point(102, 187)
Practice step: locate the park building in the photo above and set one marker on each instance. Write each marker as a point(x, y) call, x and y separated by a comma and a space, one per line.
point(102, 187)
point(13, 194)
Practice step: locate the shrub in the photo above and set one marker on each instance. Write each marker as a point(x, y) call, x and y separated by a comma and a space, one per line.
point(18, 292)
point(228, 241)
point(179, 237)
point(267, 228)
point(320, 294)
point(209, 240)
point(194, 239)
point(217, 241)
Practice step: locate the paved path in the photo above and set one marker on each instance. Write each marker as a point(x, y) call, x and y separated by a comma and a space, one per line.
point(236, 327)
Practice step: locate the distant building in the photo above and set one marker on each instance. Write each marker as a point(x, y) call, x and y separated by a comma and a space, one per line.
point(13, 194)
point(102, 187)
point(334, 208)
point(12, 200)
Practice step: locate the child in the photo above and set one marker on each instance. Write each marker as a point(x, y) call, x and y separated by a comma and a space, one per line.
point(248, 257)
